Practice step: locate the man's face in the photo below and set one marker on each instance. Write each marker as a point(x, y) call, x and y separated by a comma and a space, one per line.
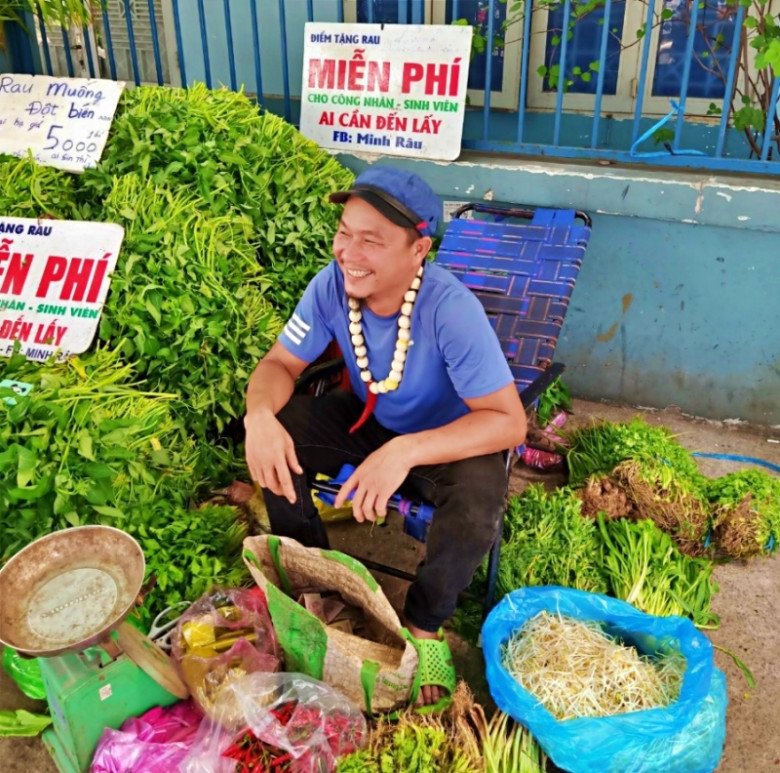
point(377, 257)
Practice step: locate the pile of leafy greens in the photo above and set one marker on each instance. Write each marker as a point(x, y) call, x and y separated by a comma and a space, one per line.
point(226, 219)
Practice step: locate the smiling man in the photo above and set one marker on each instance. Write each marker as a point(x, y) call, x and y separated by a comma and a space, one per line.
point(432, 405)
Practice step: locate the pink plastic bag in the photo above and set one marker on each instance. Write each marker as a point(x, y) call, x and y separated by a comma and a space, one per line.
point(156, 742)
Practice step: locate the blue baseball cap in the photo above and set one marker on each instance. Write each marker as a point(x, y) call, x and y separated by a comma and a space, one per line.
point(402, 197)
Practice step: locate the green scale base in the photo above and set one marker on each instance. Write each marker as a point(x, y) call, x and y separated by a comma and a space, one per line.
point(87, 692)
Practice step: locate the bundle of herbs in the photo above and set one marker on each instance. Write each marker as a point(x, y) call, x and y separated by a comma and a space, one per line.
point(197, 139)
point(575, 669)
point(86, 445)
point(187, 300)
point(746, 512)
point(640, 471)
point(646, 569)
point(462, 740)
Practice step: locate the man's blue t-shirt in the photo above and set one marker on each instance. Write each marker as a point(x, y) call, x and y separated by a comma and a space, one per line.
point(454, 353)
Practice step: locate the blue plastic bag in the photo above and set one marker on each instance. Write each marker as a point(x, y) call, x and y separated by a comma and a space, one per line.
point(685, 737)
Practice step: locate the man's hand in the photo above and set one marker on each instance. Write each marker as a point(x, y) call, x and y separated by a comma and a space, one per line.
point(270, 454)
point(375, 481)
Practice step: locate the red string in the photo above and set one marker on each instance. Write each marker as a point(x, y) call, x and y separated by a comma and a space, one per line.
point(367, 411)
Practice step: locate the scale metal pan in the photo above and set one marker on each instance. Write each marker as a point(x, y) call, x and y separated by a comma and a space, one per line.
point(69, 589)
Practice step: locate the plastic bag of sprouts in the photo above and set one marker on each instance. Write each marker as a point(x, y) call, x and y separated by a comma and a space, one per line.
point(603, 686)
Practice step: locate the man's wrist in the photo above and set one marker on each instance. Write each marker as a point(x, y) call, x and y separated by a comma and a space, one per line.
point(406, 447)
point(258, 413)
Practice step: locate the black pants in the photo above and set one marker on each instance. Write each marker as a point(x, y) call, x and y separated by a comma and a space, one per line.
point(469, 497)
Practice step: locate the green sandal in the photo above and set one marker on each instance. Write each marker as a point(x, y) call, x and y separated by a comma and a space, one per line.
point(434, 667)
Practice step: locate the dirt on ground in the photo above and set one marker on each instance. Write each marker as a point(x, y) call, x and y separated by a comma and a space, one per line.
point(746, 602)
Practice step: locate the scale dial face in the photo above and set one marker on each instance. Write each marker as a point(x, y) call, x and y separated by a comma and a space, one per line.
point(69, 589)
point(72, 606)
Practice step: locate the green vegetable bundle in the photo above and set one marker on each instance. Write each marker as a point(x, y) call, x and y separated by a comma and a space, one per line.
point(547, 542)
point(187, 552)
point(645, 568)
point(219, 146)
point(412, 749)
point(29, 190)
point(746, 508)
point(84, 446)
point(599, 448)
point(195, 139)
point(641, 471)
point(187, 301)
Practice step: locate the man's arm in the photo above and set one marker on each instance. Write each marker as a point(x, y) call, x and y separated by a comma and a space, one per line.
point(495, 422)
point(270, 451)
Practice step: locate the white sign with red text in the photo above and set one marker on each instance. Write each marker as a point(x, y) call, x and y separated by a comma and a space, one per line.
point(63, 122)
point(394, 89)
point(54, 279)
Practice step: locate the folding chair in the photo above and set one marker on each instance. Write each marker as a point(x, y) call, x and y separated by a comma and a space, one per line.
point(524, 274)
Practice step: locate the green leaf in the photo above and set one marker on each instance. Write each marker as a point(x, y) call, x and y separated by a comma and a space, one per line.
point(770, 58)
point(26, 465)
point(85, 445)
point(22, 723)
point(108, 510)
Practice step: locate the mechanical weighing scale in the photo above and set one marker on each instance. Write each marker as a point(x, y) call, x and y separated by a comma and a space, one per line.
point(64, 598)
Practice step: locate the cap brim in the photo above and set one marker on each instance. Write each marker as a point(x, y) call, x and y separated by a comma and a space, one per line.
point(383, 202)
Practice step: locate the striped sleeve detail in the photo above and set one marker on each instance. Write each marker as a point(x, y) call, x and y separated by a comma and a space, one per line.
point(296, 329)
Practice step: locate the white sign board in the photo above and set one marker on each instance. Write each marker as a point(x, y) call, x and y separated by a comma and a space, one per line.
point(394, 89)
point(54, 278)
point(63, 121)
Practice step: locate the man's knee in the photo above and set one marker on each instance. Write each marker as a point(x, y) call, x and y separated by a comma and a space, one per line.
point(479, 489)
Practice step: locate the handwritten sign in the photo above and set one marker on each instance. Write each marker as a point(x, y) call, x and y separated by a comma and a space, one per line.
point(395, 89)
point(54, 278)
point(63, 121)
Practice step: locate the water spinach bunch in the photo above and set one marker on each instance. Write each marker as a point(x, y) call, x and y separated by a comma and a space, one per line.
point(30, 190)
point(195, 139)
point(602, 446)
point(547, 541)
point(645, 568)
point(86, 445)
point(746, 512)
point(187, 301)
point(236, 159)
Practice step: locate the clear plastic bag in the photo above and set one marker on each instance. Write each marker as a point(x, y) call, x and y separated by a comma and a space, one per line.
point(156, 742)
point(297, 722)
point(223, 636)
point(685, 737)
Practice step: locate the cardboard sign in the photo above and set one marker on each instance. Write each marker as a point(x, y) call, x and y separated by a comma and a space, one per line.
point(394, 89)
point(63, 121)
point(54, 278)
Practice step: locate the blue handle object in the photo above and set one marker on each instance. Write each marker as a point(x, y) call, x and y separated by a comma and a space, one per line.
point(417, 515)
